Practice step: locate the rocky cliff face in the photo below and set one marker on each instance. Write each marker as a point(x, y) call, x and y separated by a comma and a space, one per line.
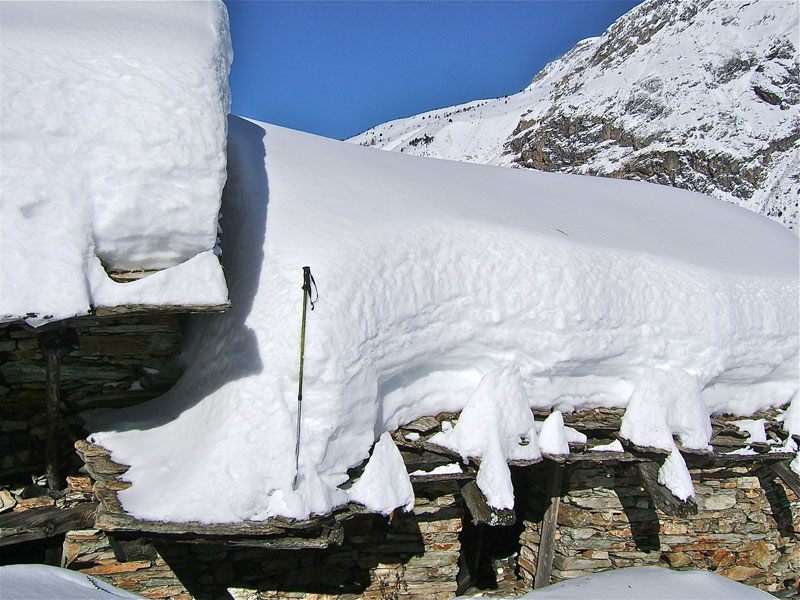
point(698, 94)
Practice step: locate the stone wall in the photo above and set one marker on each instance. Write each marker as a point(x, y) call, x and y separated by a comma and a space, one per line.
point(747, 526)
point(405, 556)
point(119, 361)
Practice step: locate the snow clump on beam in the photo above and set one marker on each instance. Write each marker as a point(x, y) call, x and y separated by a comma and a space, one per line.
point(113, 149)
point(448, 286)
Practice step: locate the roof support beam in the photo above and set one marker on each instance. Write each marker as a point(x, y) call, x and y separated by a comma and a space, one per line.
point(547, 541)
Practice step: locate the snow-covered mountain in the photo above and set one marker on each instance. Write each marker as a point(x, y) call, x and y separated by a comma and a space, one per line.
point(698, 94)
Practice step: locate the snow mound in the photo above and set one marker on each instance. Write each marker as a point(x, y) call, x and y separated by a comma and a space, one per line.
point(446, 286)
point(114, 118)
point(41, 582)
point(648, 583)
point(497, 426)
point(384, 484)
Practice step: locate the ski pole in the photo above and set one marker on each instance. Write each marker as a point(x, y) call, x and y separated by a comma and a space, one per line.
point(308, 281)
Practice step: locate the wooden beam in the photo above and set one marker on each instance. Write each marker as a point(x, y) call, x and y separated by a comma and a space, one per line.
point(789, 477)
point(547, 540)
point(54, 343)
point(147, 309)
point(664, 499)
point(48, 521)
point(480, 509)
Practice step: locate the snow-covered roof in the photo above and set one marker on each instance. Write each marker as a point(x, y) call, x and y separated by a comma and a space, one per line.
point(447, 287)
point(113, 124)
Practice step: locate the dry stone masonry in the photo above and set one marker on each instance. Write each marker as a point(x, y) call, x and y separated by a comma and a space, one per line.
point(745, 526)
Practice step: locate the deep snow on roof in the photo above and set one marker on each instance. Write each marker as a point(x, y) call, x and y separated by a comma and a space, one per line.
point(443, 285)
point(113, 129)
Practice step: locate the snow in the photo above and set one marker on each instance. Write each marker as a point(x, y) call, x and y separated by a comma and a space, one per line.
point(40, 582)
point(451, 469)
point(553, 437)
point(497, 426)
point(447, 286)
point(646, 583)
point(615, 446)
point(384, 484)
point(114, 118)
point(754, 428)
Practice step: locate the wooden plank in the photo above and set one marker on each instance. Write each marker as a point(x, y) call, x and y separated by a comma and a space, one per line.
point(647, 451)
point(146, 309)
point(789, 477)
point(547, 541)
point(48, 521)
point(118, 522)
point(480, 509)
point(664, 499)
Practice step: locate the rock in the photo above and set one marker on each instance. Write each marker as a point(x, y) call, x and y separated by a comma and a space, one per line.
point(29, 503)
point(761, 556)
point(740, 573)
point(422, 425)
point(79, 484)
point(111, 566)
point(722, 558)
point(672, 527)
point(677, 559)
point(719, 501)
point(7, 501)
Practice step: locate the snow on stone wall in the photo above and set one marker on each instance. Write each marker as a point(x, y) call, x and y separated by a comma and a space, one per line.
point(114, 122)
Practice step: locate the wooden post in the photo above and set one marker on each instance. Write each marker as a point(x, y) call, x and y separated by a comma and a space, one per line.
point(790, 478)
point(53, 471)
point(547, 541)
point(663, 499)
point(54, 343)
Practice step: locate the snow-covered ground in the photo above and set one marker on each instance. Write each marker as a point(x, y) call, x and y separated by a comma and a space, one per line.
point(446, 286)
point(112, 140)
point(39, 582)
point(648, 583)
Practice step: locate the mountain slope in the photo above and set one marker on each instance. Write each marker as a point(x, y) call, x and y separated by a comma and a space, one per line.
point(700, 94)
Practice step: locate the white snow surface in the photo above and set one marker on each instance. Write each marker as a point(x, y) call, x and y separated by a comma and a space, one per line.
point(384, 485)
point(646, 583)
point(112, 141)
point(41, 582)
point(680, 75)
point(446, 286)
point(553, 435)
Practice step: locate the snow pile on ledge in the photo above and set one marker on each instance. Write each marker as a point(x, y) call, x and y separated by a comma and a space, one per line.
point(446, 286)
point(113, 124)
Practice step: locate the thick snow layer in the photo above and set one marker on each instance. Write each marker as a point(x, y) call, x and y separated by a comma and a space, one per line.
point(40, 582)
point(113, 150)
point(647, 583)
point(446, 286)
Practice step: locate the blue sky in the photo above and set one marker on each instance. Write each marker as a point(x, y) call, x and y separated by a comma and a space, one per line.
point(337, 68)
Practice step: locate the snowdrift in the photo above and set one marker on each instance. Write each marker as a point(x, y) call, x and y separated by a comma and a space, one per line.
point(441, 286)
point(113, 126)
